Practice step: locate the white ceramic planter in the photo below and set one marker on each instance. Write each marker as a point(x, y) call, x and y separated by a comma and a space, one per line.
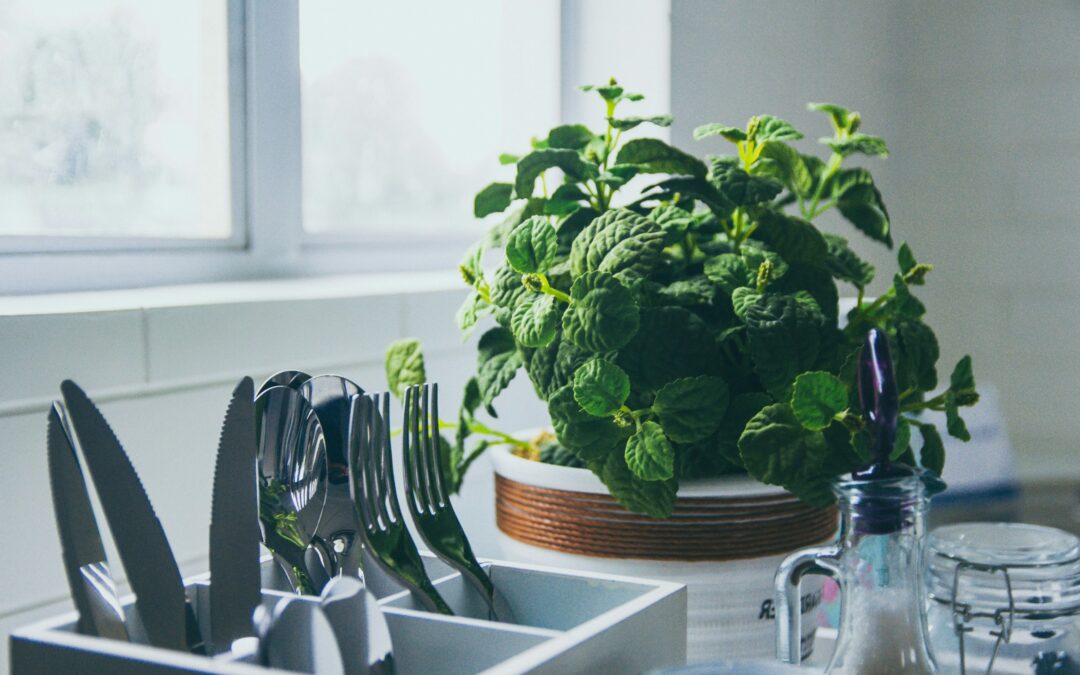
point(730, 605)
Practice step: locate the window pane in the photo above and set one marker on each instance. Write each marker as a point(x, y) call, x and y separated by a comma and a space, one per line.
point(408, 104)
point(114, 118)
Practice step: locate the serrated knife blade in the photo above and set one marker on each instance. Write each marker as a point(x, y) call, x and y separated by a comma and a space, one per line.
point(144, 550)
point(87, 567)
point(234, 524)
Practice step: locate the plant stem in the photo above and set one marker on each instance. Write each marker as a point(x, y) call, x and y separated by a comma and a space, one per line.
point(831, 168)
point(546, 288)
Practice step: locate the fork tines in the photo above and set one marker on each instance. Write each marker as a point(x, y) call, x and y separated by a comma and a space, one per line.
point(421, 448)
point(371, 455)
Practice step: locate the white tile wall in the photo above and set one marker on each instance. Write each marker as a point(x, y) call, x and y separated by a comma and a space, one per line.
point(979, 102)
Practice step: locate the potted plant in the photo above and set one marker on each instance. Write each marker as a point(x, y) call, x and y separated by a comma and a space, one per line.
point(687, 338)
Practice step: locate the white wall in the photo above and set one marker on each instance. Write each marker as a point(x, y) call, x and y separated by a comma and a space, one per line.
point(980, 104)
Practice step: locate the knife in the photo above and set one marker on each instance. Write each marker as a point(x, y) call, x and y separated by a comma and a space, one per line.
point(234, 524)
point(148, 560)
point(87, 567)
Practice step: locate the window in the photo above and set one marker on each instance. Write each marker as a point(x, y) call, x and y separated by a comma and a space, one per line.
point(114, 119)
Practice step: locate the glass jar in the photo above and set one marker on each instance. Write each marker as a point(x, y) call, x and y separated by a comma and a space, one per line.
point(1004, 598)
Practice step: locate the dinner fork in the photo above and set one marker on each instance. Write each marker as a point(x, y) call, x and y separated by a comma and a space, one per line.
point(429, 501)
point(371, 483)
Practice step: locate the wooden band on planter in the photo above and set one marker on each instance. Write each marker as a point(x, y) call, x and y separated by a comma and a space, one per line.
point(701, 528)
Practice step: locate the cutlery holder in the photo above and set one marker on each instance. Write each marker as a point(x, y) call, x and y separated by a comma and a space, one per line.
point(568, 622)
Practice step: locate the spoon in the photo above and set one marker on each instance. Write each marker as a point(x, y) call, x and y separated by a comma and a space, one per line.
point(339, 525)
point(360, 627)
point(292, 485)
point(285, 378)
point(298, 637)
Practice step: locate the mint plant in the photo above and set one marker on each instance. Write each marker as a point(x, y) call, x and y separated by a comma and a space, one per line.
point(691, 328)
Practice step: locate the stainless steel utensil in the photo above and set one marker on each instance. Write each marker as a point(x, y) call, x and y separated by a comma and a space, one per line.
point(285, 378)
point(429, 501)
point(360, 627)
point(87, 568)
point(292, 485)
point(234, 524)
point(371, 473)
point(298, 637)
point(339, 526)
point(148, 560)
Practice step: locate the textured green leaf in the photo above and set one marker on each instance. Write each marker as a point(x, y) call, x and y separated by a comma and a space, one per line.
point(651, 155)
point(858, 143)
point(859, 201)
point(601, 387)
point(672, 342)
point(537, 162)
point(471, 266)
point(534, 321)
point(841, 116)
point(916, 356)
point(962, 376)
point(744, 189)
point(470, 311)
point(588, 437)
point(784, 163)
point(493, 199)
point(618, 175)
point(570, 137)
point(770, 128)
point(621, 243)
point(532, 246)
point(844, 264)
point(690, 187)
point(691, 408)
point(570, 227)
point(696, 290)
point(802, 279)
point(627, 123)
point(784, 336)
point(506, 293)
point(755, 254)
point(553, 365)
point(906, 258)
point(817, 398)
point(675, 222)
point(777, 450)
point(902, 442)
point(742, 298)
point(733, 134)
point(954, 424)
point(404, 365)
point(603, 314)
point(498, 361)
point(794, 239)
point(903, 302)
point(654, 498)
point(649, 454)
point(932, 454)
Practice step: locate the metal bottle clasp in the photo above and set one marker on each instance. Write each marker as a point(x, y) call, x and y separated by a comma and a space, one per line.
point(962, 613)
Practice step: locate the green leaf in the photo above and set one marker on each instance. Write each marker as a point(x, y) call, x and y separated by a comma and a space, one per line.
point(691, 408)
point(840, 115)
point(498, 361)
point(744, 189)
point(777, 450)
point(588, 437)
point(612, 92)
point(858, 143)
point(470, 311)
point(733, 134)
point(506, 292)
point(954, 424)
point(628, 123)
point(903, 302)
point(784, 335)
point(618, 175)
point(917, 354)
point(537, 162)
point(571, 226)
point(770, 128)
point(534, 321)
point(675, 222)
point(817, 398)
point(568, 192)
point(906, 258)
point(404, 365)
point(603, 314)
point(570, 137)
point(621, 243)
point(784, 163)
point(794, 239)
point(740, 410)
point(696, 290)
point(859, 201)
point(532, 246)
point(553, 365)
point(962, 376)
point(672, 342)
point(902, 442)
point(493, 199)
point(506, 158)
point(756, 254)
point(742, 299)
point(803, 279)
point(601, 387)
point(649, 453)
point(729, 271)
point(654, 498)
point(844, 264)
point(651, 155)
point(932, 454)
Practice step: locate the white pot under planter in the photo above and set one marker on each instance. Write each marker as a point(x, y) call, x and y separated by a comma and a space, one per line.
point(724, 541)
